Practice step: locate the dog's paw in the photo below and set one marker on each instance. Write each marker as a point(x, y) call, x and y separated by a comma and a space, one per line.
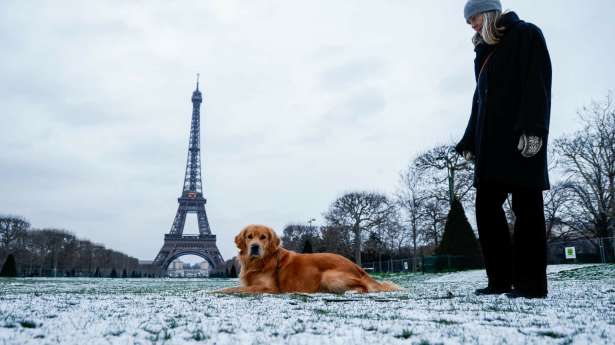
point(351, 292)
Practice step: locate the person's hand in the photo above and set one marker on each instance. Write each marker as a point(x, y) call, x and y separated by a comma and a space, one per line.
point(468, 155)
point(529, 145)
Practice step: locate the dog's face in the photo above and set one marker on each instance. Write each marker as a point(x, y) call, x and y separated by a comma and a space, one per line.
point(257, 241)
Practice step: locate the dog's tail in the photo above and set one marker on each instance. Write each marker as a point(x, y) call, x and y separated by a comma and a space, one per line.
point(384, 286)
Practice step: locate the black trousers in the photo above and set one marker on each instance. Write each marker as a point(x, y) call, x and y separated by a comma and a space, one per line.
point(520, 261)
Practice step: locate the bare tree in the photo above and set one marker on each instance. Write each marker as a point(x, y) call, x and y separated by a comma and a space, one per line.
point(588, 158)
point(85, 256)
point(393, 233)
point(557, 201)
point(359, 212)
point(390, 235)
point(374, 247)
point(410, 197)
point(295, 235)
point(57, 252)
point(336, 239)
point(450, 172)
point(434, 211)
point(11, 228)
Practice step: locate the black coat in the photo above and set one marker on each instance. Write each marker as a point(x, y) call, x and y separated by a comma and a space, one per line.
point(512, 96)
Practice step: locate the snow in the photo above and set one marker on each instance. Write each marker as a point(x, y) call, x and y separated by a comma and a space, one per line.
point(434, 309)
point(481, 276)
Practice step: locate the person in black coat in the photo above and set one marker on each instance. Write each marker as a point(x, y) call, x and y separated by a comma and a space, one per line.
point(506, 137)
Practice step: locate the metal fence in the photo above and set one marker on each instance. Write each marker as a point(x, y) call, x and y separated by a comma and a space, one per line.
point(427, 264)
point(595, 250)
point(398, 265)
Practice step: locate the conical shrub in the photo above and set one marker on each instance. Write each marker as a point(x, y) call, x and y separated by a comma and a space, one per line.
point(307, 247)
point(458, 238)
point(9, 269)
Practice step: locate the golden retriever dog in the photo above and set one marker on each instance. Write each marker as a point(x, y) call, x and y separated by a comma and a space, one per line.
point(266, 267)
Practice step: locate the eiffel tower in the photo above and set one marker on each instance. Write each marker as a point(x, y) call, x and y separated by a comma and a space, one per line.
point(177, 244)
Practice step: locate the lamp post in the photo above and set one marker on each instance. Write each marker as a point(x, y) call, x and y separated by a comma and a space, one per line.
point(308, 236)
point(311, 220)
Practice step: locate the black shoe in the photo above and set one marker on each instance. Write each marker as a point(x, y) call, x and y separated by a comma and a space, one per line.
point(516, 293)
point(492, 291)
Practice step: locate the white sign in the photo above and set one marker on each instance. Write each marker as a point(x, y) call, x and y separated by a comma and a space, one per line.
point(406, 265)
point(570, 253)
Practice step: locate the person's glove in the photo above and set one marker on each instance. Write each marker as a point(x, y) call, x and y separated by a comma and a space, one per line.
point(529, 145)
point(468, 155)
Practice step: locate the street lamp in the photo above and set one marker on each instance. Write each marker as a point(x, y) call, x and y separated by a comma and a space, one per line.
point(311, 221)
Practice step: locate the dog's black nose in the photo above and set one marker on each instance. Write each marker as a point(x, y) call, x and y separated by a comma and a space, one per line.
point(254, 249)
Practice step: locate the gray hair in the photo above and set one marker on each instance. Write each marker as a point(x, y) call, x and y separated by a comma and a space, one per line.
point(491, 32)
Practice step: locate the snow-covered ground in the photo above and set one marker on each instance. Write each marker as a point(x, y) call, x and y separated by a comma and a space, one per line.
point(433, 309)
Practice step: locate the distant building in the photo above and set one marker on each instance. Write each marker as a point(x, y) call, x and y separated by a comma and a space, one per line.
point(180, 269)
point(177, 265)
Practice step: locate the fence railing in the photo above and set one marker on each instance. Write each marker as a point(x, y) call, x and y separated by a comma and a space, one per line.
point(594, 250)
point(582, 250)
point(397, 265)
point(436, 263)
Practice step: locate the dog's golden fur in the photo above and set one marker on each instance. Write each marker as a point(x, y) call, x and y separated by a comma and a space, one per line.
point(266, 267)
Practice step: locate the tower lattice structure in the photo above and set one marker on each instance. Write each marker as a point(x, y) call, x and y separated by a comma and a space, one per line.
point(192, 200)
point(176, 243)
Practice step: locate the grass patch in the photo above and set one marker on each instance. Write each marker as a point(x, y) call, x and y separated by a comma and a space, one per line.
point(446, 322)
point(199, 335)
point(28, 324)
point(551, 334)
point(320, 311)
point(424, 342)
point(596, 272)
point(116, 333)
point(405, 334)
point(300, 297)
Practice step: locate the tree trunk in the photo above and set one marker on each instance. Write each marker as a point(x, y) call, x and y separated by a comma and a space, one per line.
point(435, 232)
point(357, 245)
point(414, 238)
point(451, 183)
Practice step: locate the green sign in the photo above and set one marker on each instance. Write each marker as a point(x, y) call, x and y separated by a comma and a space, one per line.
point(570, 253)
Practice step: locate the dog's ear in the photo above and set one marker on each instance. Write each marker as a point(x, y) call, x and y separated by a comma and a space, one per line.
point(274, 242)
point(240, 240)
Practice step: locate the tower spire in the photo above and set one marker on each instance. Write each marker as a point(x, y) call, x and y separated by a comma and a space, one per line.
point(197, 81)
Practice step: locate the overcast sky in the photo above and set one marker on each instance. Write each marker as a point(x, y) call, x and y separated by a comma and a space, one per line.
point(304, 100)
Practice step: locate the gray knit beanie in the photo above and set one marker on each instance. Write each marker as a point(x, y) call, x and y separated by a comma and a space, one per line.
point(479, 6)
